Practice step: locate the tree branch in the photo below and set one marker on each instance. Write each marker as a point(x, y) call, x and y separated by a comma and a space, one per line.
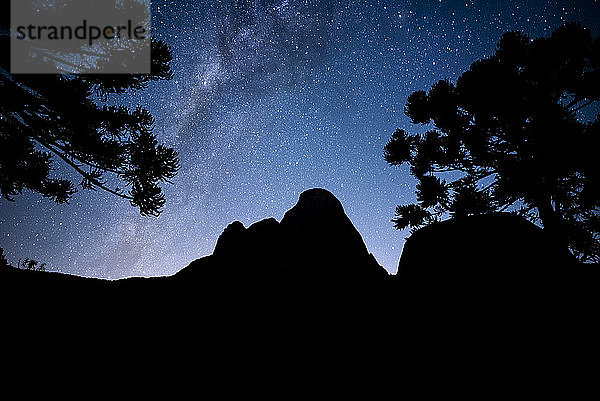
point(583, 105)
point(91, 164)
point(80, 171)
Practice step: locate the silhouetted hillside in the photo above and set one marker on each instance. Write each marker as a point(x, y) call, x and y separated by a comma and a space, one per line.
point(486, 250)
point(315, 241)
point(491, 259)
point(316, 244)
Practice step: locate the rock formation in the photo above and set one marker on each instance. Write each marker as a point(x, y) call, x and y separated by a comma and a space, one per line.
point(315, 241)
point(502, 252)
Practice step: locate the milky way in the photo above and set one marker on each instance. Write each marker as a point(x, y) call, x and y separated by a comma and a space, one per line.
point(271, 98)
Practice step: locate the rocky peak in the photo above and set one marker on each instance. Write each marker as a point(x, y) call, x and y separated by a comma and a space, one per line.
point(315, 239)
point(316, 203)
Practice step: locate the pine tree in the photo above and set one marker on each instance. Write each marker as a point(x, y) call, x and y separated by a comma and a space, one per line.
point(514, 133)
point(65, 118)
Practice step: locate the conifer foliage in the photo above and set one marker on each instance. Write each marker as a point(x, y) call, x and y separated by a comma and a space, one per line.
point(66, 118)
point(518, 131)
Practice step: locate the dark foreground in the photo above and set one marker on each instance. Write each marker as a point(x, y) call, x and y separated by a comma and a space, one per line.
point(316, 253)
point(479, 306)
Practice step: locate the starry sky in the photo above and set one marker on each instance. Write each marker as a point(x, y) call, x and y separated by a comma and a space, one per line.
point(271, 98)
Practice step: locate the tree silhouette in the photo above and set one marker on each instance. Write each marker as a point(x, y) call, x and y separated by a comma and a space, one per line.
point(514, 133)
point(66, 117)
point(3, 260)
point(33, 265)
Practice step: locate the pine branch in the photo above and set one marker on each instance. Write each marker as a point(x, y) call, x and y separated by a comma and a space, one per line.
point(80, 171)
point(583, 105)
point(73, 154)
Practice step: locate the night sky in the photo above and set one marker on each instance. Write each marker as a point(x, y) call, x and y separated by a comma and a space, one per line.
point(271, 98)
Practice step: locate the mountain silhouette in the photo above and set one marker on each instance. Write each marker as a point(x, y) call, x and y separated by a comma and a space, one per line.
point(315, 241)
point(316, 245)
point(308, 283)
